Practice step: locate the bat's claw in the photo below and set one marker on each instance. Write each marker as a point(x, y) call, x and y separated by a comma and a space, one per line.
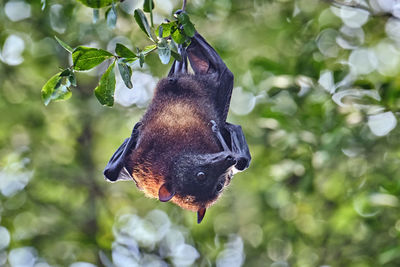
point(215, 129)
point(214, 126)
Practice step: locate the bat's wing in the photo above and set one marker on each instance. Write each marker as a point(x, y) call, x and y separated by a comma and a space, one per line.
point(204, 60)
point(116, 169)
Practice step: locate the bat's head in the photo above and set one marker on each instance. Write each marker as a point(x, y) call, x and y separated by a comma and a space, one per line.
point(197, 180)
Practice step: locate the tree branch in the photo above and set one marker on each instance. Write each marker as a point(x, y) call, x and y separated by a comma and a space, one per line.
point(184, 5)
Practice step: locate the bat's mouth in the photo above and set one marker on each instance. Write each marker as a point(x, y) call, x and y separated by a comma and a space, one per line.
point(229, 176)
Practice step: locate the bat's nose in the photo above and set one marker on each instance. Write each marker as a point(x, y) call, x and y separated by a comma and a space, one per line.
point(230, 160)
point(242, 164)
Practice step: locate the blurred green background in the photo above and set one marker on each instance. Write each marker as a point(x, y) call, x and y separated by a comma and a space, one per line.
point(317, 94)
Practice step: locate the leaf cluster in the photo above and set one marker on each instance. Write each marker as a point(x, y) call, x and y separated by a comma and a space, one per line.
point(165, 39)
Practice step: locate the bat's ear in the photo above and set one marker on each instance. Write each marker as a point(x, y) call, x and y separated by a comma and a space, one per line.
point(199, 60)
point(165, 193)
point(200, 214)
point(115, 169)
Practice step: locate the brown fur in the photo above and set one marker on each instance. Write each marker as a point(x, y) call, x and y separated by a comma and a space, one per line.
point(171, 125)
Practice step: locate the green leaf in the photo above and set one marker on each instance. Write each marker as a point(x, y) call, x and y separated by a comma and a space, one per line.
point(188, 26)
point(141, 20)
point(55, 90)
point(72, 79)
point(149, 49)
point(178, 37)
point(129, 60)
point(105, 90)
point(124, 51)
point(61, 93)
point(174, 51)
point(96, 3)
point(86, 58)
point(174, 47)
point(160, 31)
point(183, 18)
point(126, 73)
point(65, 73)
point(141, 59)
point(166, 29)
point(189, 29)
point(111, 15)
point(49, 87)
point(176, 55)
point(146, 5)
point(64, 45)
point(164, 52)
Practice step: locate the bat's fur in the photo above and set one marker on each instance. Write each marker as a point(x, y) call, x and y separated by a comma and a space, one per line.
point(177, 120)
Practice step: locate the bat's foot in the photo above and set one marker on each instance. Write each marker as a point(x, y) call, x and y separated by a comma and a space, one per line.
point(214, 126)
point(215, 129)
point(239, 146)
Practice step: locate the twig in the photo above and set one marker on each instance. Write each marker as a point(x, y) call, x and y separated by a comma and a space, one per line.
point(151, 13)
point(184, 5)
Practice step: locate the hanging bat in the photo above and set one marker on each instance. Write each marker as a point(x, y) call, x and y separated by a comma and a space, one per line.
point(183, 149)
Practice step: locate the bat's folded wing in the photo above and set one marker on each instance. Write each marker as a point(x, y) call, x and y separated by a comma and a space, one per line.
point(204, 60)
point(116, 169)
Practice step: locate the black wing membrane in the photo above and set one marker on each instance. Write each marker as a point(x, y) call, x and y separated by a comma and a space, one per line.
point(204, 60)
point(116, 169)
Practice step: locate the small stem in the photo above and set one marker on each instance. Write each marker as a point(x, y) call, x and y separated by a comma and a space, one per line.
point(151, 13)
point(184, 5)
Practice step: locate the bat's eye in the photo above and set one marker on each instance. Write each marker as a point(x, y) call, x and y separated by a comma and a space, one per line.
point(201, 175)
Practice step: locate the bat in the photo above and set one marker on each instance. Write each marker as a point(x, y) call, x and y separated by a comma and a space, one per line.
point(183, 150)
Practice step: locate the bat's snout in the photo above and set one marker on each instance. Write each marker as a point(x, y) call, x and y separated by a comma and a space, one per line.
point(242, 163)
point(224, 159)
point(227, 161)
